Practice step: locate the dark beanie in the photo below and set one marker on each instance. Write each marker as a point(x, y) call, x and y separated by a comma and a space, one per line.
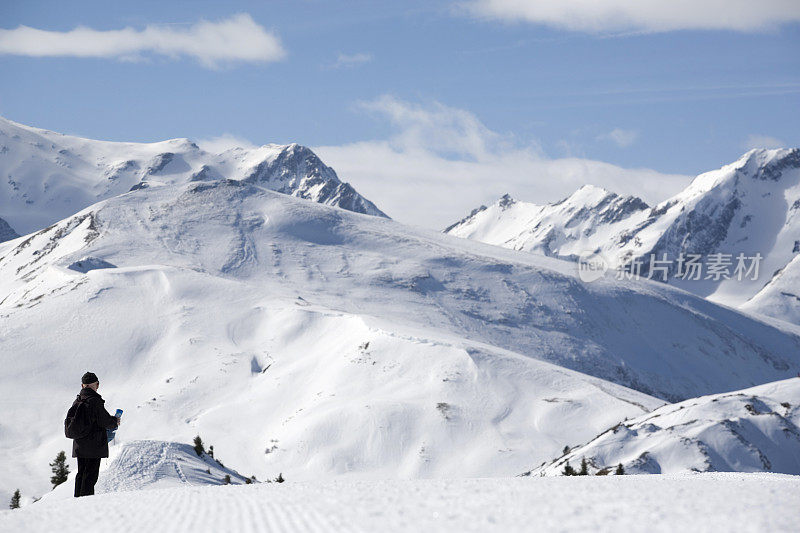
point(89, 377)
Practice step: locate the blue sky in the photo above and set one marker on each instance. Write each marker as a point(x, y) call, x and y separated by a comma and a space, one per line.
point(528, 94)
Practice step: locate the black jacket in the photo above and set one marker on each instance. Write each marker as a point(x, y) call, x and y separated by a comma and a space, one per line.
point(95, 445)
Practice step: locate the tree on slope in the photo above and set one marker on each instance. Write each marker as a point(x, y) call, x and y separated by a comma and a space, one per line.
point(198, 445)
point(60, 469)
point(15, 500)
point(584, 471)
point(568, 470)
point(619, 471)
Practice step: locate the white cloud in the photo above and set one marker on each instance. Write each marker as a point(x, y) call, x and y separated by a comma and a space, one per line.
point(763, 141)
point(442, 162)
point(351, 60)
point(238, 38)
point(226, 141)
point(620, 137)
point(642, 15)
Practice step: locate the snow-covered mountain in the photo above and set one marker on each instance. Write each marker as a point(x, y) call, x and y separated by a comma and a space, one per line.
point(588, 218)
point(313, 341)
point(749, 207)
point(46, 176)
point(752, 430)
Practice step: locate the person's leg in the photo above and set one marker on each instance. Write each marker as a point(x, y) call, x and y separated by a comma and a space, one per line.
point(79, 476)
point(90, 478)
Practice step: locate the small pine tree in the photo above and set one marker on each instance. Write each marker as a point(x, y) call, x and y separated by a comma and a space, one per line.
point(198, 445)
point(60, 469)
point(568, 470)
point(619, 471)
point(279, 479)
point(15, 500)
point(211, 451)
point(248, 481)
point(208, 470)
point(253, 479)
point(584, 471)
point(227, 479)
point(565, 450)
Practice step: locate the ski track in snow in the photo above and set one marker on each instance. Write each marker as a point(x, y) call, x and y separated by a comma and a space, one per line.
point(699, 502)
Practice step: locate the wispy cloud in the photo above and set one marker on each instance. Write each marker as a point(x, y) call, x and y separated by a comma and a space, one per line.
point(226, 141)
point(350, 60)
point(597, 16)
point(621, 137)
point(441, 162)
point(236, 39)
point(762, 141)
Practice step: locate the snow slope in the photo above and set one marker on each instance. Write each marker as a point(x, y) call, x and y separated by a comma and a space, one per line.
point(780, 297)
point(313, 341)
point(750, 206)
point(46, 176)
point(700, 502)
point(751, 430)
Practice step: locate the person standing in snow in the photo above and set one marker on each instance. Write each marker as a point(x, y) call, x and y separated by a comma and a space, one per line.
point(93, 446)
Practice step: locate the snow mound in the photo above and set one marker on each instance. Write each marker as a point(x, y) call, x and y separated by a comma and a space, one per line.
point(86, 264)
point(147, 464)
point(151, 464)
point(701, 502)
point(753, 430)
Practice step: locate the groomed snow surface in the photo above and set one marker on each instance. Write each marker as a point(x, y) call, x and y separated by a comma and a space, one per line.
point(694, 502)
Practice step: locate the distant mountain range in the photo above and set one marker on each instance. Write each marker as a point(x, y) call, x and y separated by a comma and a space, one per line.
point(749, 207)
point(46, 176)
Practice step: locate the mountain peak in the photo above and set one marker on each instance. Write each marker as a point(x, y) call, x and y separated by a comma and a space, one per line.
point(506, 201)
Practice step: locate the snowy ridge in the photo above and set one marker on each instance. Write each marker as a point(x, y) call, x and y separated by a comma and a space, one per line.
point(750, 206)
point(47, 176)
point(752, 430)
point(564, 229)
point(360, 346)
